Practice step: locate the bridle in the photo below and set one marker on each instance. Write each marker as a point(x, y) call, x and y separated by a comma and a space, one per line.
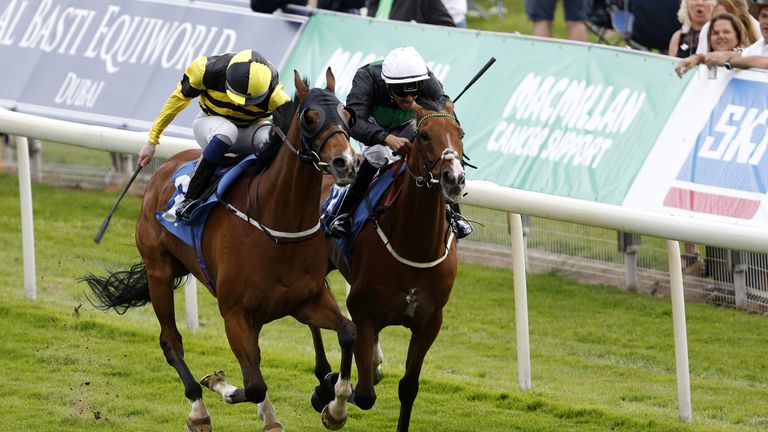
point(330, 122)
point(429, 179)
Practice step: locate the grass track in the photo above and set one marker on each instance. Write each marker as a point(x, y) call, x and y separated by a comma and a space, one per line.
point(602, 360)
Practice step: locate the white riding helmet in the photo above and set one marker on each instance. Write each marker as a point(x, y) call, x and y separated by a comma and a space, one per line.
point(404, 65)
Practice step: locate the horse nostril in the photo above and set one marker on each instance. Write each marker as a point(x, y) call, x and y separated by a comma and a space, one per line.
point(448, 177)
point(462, 179)
point(339, 163)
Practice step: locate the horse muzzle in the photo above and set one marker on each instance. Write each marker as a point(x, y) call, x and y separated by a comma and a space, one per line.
point(452, 184)
point(343, 169)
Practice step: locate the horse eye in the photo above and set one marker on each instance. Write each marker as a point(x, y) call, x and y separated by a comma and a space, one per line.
point(308, 119)
point(424, 136)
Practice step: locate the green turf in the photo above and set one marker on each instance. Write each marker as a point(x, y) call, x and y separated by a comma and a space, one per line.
point(601, 359)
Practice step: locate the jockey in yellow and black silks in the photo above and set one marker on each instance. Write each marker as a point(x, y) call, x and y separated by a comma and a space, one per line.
point(237, 92)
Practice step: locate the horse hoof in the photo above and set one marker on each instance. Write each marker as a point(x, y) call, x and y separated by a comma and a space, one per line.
point(215, 378)
point(199, 424)
point(274, 427)
point(317, 402)
point(331, 423)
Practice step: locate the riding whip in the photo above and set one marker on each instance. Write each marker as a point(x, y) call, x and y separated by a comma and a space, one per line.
point(100, 233)
point(475, 78)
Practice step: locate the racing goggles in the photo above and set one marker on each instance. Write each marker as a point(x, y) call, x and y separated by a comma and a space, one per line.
point(407, 89)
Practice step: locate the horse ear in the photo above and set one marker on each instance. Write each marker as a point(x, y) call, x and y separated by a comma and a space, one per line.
point(301, 87)
point(330, 80)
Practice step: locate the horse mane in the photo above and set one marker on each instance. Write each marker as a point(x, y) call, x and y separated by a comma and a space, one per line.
point(281, 118)
point(435, 104)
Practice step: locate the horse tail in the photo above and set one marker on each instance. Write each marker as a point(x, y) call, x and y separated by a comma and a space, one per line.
point(121, 290)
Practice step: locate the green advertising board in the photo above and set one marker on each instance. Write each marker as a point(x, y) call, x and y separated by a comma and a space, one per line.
point(573, 120)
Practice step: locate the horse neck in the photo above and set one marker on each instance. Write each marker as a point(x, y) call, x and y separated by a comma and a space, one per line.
point(418, 220)
point(294, 186)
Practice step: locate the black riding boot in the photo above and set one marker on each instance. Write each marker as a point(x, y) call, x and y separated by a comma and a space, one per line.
point(459, 223)
point(197, 185)
point(341, 226)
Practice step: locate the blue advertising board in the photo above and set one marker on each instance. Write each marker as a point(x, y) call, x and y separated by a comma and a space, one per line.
point(114, 63)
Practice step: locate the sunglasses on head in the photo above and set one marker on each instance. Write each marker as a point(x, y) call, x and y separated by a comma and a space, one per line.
point(407, 89)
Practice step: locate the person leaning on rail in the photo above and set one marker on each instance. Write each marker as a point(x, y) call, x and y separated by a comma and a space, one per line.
point(725, 35)
point(382, 95)
point(753, 56)
point(238, 92)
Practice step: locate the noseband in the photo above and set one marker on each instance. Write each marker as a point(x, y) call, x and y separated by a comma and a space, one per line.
point(429, 179)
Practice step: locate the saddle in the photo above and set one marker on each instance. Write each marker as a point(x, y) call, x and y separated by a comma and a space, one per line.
point(365, 211)
point(191, 232)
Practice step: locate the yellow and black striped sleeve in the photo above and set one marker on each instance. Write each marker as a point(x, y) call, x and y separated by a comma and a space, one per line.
point(190, 87)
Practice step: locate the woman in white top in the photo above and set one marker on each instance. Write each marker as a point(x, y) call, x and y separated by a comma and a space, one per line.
point(725, 33)
point(740, 10)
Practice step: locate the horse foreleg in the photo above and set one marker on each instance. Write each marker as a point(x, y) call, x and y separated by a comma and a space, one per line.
point(324, 392)
point(378, 360)
point(269, 417)
point(365, 395)
point(161, 293)
point(243, 337)
point(324, 313)
point(421, 341)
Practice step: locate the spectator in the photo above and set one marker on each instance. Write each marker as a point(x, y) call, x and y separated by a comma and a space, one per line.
point(542, 12)
point(693, 15)
point(345, 6)
point(755, 55)
point(458, 11)
point(420, 11)
point(726, 34)
point(269, 6)
point(740, 10)
point(654, 24)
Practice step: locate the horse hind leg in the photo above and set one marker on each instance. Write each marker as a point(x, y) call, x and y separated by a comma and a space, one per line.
point(161, 292)
point(218, 383)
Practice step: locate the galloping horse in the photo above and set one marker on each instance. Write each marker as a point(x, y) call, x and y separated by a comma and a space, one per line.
point(257, 275)
point(403, 267)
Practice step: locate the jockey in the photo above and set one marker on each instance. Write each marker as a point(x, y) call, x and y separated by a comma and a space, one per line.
point(382, 94)
point(238, 92)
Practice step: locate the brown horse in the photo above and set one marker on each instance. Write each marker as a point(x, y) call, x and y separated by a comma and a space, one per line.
point(258, 275)
point(403, 267)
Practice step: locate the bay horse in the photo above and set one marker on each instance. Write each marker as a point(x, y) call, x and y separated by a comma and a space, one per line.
point(257, 275)
point(404, 262)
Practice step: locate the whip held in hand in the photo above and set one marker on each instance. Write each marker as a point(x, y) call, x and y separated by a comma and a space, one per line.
point(100, 233)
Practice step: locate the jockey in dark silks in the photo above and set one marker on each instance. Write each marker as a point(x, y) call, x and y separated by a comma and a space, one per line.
point(381, 96)
point(238, 92)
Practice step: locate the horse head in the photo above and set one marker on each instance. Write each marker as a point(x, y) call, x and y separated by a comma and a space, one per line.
point(438, 149)
point(324, 124)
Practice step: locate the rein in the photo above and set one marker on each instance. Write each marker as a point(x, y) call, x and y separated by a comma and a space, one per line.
point(305, 153)
point(429, 179)
point(421, 181)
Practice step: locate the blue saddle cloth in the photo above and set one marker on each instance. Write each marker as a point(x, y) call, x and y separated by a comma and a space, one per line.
point(364, 210)
point(191, 232)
